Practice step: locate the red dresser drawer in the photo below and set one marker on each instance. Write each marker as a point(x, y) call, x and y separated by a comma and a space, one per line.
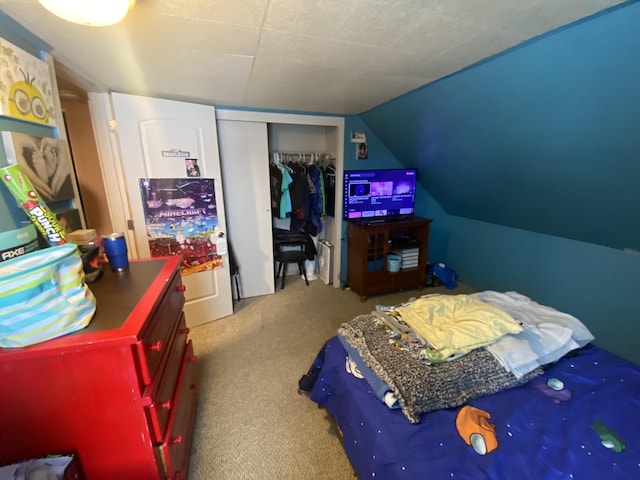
point(155, 338)
point(174, 450)
point(160, 393)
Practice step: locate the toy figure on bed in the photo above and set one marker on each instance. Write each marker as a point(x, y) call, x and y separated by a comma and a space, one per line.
point(486, 385)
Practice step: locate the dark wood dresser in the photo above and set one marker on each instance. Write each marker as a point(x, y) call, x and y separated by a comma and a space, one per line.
point(369, 248)
point(121, 393)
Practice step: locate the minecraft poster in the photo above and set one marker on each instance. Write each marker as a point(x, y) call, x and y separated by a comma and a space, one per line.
point(182, 219)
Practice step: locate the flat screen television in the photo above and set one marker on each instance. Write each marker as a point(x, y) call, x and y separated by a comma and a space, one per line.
point(379, 195)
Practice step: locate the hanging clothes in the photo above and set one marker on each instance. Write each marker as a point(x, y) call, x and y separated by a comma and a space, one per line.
point(330, 190)
point(275, 180)
point(323, 192)
point(299, 191)
point(303, 189)
point(285, 196)
point(314, 178)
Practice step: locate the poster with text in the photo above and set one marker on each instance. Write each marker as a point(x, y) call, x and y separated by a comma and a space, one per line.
point(182, 219)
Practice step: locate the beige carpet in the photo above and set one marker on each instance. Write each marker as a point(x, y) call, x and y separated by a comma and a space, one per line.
point(251, 421)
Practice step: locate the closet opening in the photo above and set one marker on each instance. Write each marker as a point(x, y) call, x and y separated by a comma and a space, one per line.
point(255, 145)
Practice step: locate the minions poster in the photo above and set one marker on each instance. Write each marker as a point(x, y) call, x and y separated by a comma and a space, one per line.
point(25, 86)
point(182, 219)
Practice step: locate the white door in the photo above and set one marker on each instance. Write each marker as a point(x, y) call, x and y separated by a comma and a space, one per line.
point(244, 154)
point(155, 135)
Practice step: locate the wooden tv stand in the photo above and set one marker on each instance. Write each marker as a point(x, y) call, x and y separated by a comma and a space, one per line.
point(369, 246)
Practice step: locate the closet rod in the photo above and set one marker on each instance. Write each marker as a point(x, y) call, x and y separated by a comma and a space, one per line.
point(301, 157)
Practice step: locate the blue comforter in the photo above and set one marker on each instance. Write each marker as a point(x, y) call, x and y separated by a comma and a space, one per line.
point(579, 420)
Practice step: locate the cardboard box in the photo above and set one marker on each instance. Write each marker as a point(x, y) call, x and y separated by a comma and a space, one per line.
point(83, 237)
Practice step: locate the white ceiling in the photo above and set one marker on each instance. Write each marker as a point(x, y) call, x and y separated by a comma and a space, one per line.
point(333, 56)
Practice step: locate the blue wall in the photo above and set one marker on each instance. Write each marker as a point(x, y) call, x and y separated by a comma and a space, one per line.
point(534, 156)
point(599, 285)
point(11, 215)
point(544, 133)
point(380, 157)
point(528, 164)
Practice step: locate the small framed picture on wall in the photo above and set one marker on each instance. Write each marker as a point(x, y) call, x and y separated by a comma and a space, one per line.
point(358, 136)
point(362, 151)
point(26, 92)
point(45, 161)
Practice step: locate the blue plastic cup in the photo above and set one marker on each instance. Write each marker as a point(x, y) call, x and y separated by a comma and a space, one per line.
point(115, 247)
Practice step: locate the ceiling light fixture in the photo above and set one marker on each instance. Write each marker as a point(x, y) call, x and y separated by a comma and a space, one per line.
point(94, 13)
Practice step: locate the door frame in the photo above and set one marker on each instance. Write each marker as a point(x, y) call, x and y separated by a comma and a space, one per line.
point(311, 120)
point(112, 174)
point(109, 153)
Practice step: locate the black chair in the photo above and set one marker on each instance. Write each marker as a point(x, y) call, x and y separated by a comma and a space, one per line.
point(292, 247)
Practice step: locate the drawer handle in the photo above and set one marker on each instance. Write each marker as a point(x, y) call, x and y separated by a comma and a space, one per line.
point(166, 405)
point(156, 347)
point(185, 330)
point(181, 288)
point(176, 440)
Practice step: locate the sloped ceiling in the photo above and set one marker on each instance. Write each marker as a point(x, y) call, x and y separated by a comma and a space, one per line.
point(330, 56)
point(542, 138)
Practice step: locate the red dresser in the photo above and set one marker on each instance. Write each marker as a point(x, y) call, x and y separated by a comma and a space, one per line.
point(121, 393)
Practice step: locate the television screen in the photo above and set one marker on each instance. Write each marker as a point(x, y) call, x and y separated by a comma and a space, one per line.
point(379, 193)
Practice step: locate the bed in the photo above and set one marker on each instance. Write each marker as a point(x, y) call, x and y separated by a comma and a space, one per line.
point(569, 410)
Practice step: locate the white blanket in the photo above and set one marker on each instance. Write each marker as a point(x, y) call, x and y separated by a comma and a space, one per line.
point(548, 333)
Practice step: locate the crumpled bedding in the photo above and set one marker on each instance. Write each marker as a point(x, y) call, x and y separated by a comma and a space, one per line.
point(586, 430)
point(456, 324)
point(548, 334)
point(420, 387)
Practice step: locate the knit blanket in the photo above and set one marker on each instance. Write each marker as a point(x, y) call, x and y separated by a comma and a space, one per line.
point(421, 387)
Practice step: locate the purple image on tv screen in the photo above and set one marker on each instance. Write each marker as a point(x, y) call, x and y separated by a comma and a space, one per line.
point(379, 193)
